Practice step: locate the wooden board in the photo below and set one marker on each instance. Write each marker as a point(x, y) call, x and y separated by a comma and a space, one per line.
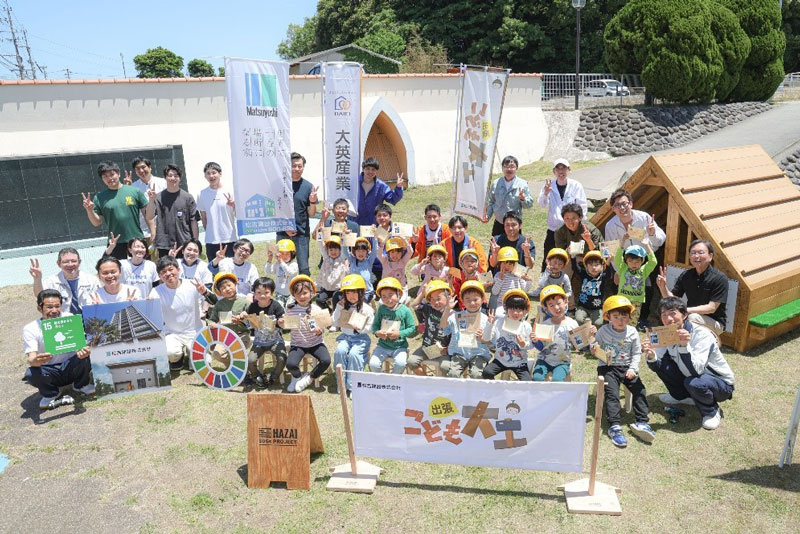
point(282, 433)
point(342, 479)
point(754, 223)
point(765, 251)
point(603, 502)
point(741, 197)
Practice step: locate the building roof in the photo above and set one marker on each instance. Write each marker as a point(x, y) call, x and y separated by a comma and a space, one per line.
point(311, 57)
point(737, 198)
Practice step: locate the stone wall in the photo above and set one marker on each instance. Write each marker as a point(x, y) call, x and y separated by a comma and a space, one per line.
point(791, 166)
point(623, 131)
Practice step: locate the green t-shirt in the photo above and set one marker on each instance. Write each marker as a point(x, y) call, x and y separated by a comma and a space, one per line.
point(216, 313)
point(632, 283)
point(120, 210)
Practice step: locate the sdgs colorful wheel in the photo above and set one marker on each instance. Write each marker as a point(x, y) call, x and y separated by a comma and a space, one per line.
point(219, 357)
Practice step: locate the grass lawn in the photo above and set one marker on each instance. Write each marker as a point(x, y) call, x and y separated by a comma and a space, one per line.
point(175, 461)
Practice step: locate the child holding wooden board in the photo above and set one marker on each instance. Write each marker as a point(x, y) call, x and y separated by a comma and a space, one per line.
point(465, 353)
point(511, 337)
point(306, 335)
point(354, 317)
point(554, 353)
point(392, 325)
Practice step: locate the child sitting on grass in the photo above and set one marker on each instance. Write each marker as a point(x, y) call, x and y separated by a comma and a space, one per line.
point(305, 339)
point(505, 280)
point(633, 268)
point(594, 279)
point(352, 345)
point(334, 268)
point(511, 344)
point(623, 351)
point(266, 339)
point(554, 355)
point(284, 269)
point(429, 315)
point(393, 341)
point(474, 358)
point(383, 218)
point(361, 258)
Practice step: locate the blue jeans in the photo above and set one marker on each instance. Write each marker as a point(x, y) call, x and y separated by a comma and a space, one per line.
point(301, 244)
point(380, 354)
point(351, 351)
point(49, 378)
point(541, 369)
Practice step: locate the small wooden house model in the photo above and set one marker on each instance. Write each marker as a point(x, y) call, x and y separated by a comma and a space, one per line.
point(738, 199)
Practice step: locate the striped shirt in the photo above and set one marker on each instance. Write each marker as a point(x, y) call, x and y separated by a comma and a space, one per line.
point(302, 337)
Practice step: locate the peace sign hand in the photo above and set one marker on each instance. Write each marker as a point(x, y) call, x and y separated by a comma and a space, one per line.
point(312, 197)
point(491, 317)
point(132, 294)
point(548, 186)
point(220, 255)
point(151, 193)
point(175, 250)
point(326, 212)
point(199, 286)
point(88, 205)
point(400, 181)
point(526, 245)
point(661, 279)
point(128, 180)
point(651, 224)
point(112, 240)
point(521, 195)
point(35, 271)
point(230, 201)
point(495, 248)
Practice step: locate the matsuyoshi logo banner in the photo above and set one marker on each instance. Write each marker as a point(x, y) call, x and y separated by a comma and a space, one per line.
point(521, 425)
point(480, 106)
point(341, 143)
point(258, 117)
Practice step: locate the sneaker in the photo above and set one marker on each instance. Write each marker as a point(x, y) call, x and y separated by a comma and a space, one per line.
point(643, 325)
point(303, 383)
point(291, 387)
point(643, 432)
point(666, 398)
point(260, 382)
point(176, 366)
point(617, 437)
point(45, 403)
point(88, 390)
point(53, 402)
point(350, 394)
point(711, 422)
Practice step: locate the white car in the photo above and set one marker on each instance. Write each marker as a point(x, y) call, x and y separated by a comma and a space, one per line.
point(606, 88)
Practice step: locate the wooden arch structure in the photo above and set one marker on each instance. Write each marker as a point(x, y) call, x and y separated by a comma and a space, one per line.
point(738, 199)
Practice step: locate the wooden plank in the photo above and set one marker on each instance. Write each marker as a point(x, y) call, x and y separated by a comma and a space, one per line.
point(741, 196)
point(722, 172)
point(603, 501)
point(759, 222)
point(765, 251)
point(709, 179)
point(774, 300)
point(759, 335)
point(676, 159)
point(765, 279)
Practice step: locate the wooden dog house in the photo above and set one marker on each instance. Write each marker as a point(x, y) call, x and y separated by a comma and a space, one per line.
point(738, 199)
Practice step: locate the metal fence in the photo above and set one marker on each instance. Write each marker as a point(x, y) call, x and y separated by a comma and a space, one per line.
point(789, 89)
point(594, 90)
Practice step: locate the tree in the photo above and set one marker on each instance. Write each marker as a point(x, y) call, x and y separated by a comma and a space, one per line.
point(384, 42)
point(763, 68)
point(300, 40)
point(423, 56)
point(199, 68)
point(221, 72)
point(734, 47)
point(671, 44)
point(159, 63)
point(791, 29)
point(99, 332)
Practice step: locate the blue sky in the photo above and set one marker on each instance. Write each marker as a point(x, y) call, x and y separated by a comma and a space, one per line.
point(88, 36)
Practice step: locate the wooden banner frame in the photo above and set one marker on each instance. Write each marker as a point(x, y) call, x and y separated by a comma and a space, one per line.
point(791, 434)
point(282, 432)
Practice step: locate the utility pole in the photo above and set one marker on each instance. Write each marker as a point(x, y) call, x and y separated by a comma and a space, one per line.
point(67, 72)
point(30, 58)
point(20, 65)
point(122, 58)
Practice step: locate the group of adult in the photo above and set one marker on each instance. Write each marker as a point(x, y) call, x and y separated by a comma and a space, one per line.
point(158, 209)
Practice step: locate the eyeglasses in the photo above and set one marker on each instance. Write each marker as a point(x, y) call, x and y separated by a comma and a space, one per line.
point(509, 166)
point(697, 253)
point(622, 205)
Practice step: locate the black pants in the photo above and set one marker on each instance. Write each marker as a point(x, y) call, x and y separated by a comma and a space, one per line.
point(498, 228)
point(323, 295)
point(549, 243)
point(279, 350)
point(212, 248)
point(120, 251)
point(614, 376)
point(494, 368)
point(320, 352)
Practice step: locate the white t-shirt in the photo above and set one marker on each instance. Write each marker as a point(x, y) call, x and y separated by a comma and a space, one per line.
point(159, 184)
point(179, 308)
point(246, 273)
point(121, 296)
point(141, 276)
point(220, 218)
point(199, 270)
point(34, 341)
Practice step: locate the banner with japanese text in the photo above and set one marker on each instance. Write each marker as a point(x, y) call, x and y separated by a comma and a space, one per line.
point(258, 119)
point(480, 106)
point(520, 425)
point(341, 140)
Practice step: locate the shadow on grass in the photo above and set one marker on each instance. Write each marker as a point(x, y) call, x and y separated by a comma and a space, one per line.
point(769, 345)
point(464, 489)
point(770, 476)
point(30, 410)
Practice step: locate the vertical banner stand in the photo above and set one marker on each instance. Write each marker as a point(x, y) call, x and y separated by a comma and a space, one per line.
point(587, 495)
point(355, 476)
point(791, 434)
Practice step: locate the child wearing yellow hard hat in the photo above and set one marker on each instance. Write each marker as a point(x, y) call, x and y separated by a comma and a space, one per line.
point(554, 355)
point(283, 269)
point(354, 317)
point(437, 294)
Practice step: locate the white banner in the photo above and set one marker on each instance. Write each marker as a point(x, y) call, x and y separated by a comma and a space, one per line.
point(521, 425)
point(341, 141)
point(258, 117)
point(480, 106)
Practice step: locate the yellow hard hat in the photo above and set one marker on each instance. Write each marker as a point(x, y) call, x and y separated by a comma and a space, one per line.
point(286, 245)
point(551, 291)
point(473, 284)
point(392, 283)
point(593, 254)
point(352, 282)
point(302, 278)
point(395, 243)
point(335, 239)
point(507, 254)
point(615, 302)
point(365, 241)
point(436, 285)
point(467, 252)
point(558, 252)
point(219, 277)
point(517, 293)
point(437, 248)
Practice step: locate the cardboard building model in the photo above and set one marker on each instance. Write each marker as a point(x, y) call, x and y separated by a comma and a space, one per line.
point(738, 199)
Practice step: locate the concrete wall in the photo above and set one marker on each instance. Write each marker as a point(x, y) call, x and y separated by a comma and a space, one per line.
point(90, 116)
